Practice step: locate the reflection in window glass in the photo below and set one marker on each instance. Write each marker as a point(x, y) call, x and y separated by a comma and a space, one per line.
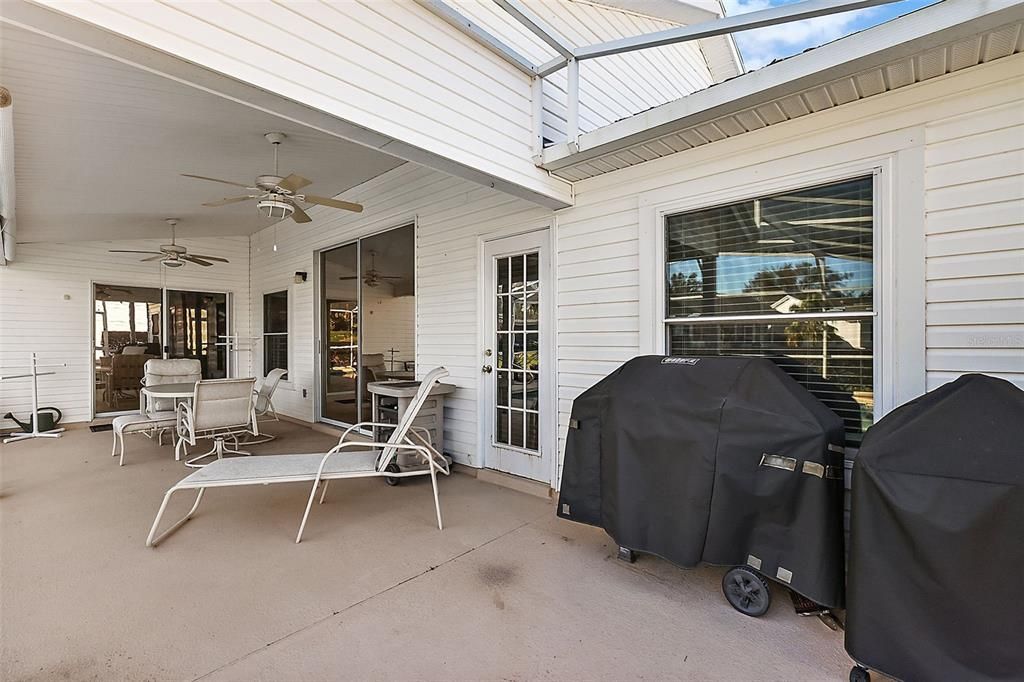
point(789, 277)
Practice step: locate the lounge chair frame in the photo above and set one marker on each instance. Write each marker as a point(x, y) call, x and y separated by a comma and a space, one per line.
point(400, 440)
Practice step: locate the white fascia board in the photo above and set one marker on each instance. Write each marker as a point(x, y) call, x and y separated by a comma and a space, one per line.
point(92, 38)
point(917, 32)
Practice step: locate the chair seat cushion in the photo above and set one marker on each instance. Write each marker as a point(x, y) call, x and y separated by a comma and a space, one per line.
point(142, 422)
point(280, 469)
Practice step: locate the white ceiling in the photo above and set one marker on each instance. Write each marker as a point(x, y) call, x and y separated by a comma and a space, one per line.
point(99, 148)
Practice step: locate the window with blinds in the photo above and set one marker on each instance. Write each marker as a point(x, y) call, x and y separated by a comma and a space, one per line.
point(275, 331)
point(789, 277)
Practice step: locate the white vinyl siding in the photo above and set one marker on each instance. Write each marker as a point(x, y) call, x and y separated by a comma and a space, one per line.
point(36, 317)
point(450, 216)
point(612, 87)
point(974, 186)
point(392, 68)
point(973, 290)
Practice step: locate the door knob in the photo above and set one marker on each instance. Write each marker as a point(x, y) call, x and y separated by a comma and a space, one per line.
point(487, 369)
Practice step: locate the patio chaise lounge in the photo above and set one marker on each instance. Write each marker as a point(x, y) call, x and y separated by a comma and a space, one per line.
point(348, 459)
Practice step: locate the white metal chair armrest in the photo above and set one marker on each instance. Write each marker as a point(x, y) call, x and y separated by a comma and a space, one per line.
point(362, 425)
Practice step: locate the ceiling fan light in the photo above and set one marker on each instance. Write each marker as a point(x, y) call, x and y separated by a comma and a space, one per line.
point(172, 263)
point(275, 208)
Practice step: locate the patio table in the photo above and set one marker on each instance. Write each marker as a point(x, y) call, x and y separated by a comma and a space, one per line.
point(179, 391)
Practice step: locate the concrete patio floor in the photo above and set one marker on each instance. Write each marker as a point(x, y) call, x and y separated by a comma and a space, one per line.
point(506, 592)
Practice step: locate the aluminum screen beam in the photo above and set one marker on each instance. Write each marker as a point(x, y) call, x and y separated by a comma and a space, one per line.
point(540, 28)
point(808, 9)
point(464, 24)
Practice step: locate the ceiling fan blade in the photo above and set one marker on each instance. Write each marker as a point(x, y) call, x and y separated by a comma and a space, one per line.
point(159, 253)
point(333, 203)
point(197, 261)
point(227, 200)
point(300, 216)
point(216, 258)
point(225, 182)
point(151, 258)
point(353, 277)
point(294, 183)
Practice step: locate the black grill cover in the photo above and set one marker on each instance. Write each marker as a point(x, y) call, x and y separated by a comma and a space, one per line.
point(937, 538)
point(665, 455)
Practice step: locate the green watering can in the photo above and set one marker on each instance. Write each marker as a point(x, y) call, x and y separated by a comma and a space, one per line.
point(49, 417)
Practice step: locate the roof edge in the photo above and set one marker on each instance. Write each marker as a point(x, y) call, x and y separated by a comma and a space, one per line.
point(902, 37)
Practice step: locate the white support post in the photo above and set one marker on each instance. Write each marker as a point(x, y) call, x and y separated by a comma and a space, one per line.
point(537, 95)
point(572, 107)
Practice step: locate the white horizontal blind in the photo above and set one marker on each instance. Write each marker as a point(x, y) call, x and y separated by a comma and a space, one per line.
point(789, 277)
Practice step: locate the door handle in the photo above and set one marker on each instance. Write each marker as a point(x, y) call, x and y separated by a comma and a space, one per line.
point(487, 369)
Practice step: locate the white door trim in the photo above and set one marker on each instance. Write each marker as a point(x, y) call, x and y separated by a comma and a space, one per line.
point(541, 238)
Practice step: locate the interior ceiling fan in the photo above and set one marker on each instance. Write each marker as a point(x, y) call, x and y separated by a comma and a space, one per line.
point(373, 277)
point(108, 292)
point(276, 196)
point(174, 255)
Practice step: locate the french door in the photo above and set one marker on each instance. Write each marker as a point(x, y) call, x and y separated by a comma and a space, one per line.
point(197, 329)
point(515, 399)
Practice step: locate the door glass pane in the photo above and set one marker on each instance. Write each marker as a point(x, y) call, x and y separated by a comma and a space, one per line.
point(340, 334)
point(197, 328)
point(369, 314)
point(501, 392)
point(517, 300)
point(388, 300)
point(127, 334)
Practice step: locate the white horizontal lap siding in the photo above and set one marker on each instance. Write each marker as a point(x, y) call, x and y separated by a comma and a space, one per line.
point(451, 215)
point(970, 278)
point(974, 186)
point(611, 87)
point(36, 317)
point(392, 68)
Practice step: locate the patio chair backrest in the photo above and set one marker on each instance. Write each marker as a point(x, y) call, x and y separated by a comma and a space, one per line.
point(402, 430)
point(267, 390)
point(171, 371)
point(222, 404)
point(126, 371)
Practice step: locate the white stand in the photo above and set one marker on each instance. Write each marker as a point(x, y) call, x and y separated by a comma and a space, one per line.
point(35, 374)
point(233, 347)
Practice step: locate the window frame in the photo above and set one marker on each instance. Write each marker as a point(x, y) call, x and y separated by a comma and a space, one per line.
point(655, 207)
point(287, 291)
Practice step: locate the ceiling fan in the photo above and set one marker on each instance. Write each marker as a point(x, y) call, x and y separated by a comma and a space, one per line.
point(173, 255)
point(276, 196)
point(373, 277)
point(106, 291)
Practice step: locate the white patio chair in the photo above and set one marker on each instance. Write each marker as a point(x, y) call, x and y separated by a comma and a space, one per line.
point(171, 371)
point(221, 410)
point(265, 411)
point(348, 459)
